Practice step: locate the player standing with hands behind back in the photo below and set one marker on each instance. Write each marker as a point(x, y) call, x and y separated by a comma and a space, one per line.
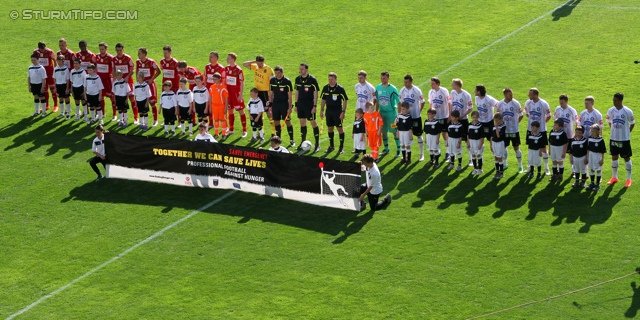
point(537, 109)
point(306, 103)
point(335, 98)
point(621, 121)
point(37, 81)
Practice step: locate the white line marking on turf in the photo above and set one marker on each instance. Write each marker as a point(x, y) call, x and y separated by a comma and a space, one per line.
point(124, 253)
point(497, 41)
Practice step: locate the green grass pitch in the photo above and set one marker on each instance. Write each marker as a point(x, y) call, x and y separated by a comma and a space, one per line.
point(449, 247)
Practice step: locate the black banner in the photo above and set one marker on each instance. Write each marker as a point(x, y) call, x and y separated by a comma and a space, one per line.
point(239, 165)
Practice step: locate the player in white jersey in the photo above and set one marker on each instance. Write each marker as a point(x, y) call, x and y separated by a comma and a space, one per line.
point(537, 109)
point(589, 116)
point(621, 121)
point(169, 105)
point(121, 90)
point(364, 91)
point(93, 94)
point(37, 78)
point(61, 75)
point(413, 96)
point(185, 106)
point(77, 77)
point(511, 111)
point(461, 101)
point(440, 101)
point(486, 105)
point(567, 114)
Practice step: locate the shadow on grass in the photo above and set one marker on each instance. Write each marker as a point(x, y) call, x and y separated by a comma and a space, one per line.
point(565, 10)
point(632, 312)
point(246, 206)
point(517, 196)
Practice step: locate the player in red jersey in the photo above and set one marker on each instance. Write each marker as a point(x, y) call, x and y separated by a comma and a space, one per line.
point(188, 72)
point(209, 70)
point(66, 53)
point(47, 59)
point(124, 62)
point(235, 86)
point(86, 57)
point(170, 70)
point(151, 71)
point(104, 68)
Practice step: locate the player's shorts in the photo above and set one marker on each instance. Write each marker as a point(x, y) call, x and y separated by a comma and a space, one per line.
point(304, 112)
point(200, 109)
point(465, 126)
point(279, 112)
point(154, 93)
point(35, 89)
point(578, 165)
point(184, 114)
point(388, 119)
point(499, 149)
point(452, 147)
point(443, 125)
point(142, 106)
point(264, 97)
point(433, 143)
point(256, 124)
point(169, 115)
point(374, 139)
point(476, 148)
point(487, 128)
point(122, 103)
point(357, 144)
point(416, 127)
point(93, 101)
point(61, 89)
point(333, 118)
point(77, 93)
point(108, 86)
point(405, 138)
point(594, 161)
point(512, 139)
point(234, 102)
point(217, 111)
point(534, 158)
point(556, 153)
point(543, 141)
point(620, 148)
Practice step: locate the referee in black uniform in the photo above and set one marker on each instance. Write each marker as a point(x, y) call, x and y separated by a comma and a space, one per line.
point(280, 102)
point(306, 102)
point(335, 98)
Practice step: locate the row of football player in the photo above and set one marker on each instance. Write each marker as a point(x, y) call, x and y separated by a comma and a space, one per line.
point(105, 65)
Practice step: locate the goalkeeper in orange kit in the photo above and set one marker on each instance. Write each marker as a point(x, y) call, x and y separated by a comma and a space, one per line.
point(373, 123)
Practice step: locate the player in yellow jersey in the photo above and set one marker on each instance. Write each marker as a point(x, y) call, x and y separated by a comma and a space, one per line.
point(261, 75)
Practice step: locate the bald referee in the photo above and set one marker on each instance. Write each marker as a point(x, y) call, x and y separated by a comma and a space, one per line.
point(262, 73)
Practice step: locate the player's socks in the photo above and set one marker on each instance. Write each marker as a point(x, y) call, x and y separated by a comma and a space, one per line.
point(628, 166)
point(404, 155)
point(243, 121)
point(614, 168)
point(290, 132)
point(480, 163)
point(593, 178)
point(46, 96)
point(421, 146)
point(154, 109)
point(501, 167)
point(475, 163)
point(545, 158)
point(385, 141)
point(598, 178)
point(506, 156)
point(100, 114)
point(224, 127)
point(460, 161)
point(55, 100)
point(232, 120)
point(273, 126)
point(182, 126)
point(331, 135)
point(113, 107)
point(173, 128)
point(190, 127)
point(341, 137)
point(561, 170)
point(316, 135)
point(374, 152)
point(408, 155)
point(102, 105)
point(211, 118)
point(135, 113)
point(539, 169)
point(303, 133)
point(397, 144)
point(497, 166)
point(166, 128)
point(92, 112)
point(67, 107)
point(255, 133)
point(519, 158)
point(452, 159)
point(531, 170)
point(437, 156)
point(584, 177)
point(36, 105)
point(77, 109)
point(278, 130)
point(43, 106)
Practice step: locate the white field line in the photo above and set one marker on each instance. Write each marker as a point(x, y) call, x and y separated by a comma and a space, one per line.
point(496, 42)
point(124, 253)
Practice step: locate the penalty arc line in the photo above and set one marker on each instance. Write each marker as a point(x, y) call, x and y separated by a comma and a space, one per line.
point(497, 41)
point(124, 253)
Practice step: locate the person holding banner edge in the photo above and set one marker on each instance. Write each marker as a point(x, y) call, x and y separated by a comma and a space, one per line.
point(373, 187)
